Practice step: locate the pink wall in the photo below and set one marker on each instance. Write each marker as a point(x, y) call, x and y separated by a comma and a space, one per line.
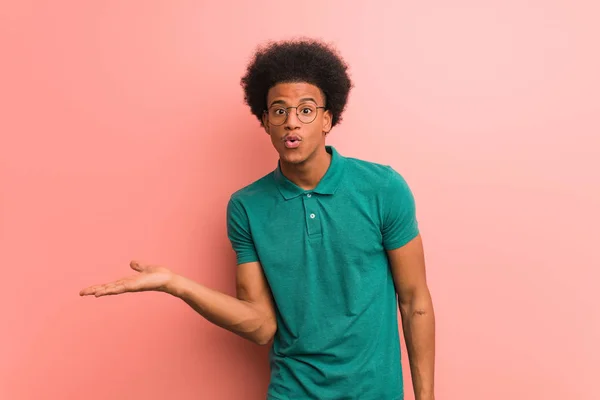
point(123, 132)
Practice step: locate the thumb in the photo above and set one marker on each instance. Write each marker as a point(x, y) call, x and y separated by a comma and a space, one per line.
point(136, 266)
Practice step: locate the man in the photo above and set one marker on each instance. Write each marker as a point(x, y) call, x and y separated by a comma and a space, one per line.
point(327, 248)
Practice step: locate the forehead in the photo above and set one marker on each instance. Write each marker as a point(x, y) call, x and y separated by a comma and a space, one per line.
point(291, 93)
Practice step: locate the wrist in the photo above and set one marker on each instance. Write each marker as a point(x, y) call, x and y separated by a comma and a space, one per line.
point(173, 285)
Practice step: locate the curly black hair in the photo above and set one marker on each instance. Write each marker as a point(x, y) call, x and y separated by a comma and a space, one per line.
point(299, 60)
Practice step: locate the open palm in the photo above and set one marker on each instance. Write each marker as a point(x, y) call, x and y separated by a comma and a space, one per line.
point(149, 277)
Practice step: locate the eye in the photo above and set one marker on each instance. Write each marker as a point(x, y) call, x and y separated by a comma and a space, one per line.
point(306, 110)
point(279, 111)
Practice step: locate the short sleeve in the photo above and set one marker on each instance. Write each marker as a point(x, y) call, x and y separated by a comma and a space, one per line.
point(238, 231)
point(399, 224)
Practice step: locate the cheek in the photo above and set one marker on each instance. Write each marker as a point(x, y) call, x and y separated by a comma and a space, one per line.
point(275, 135)
point(275, 131)
point(318, 131)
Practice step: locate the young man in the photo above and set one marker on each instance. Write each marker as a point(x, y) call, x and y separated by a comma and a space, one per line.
point(327, 248)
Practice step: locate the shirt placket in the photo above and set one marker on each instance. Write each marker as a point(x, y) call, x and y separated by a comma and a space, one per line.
point(311, 212)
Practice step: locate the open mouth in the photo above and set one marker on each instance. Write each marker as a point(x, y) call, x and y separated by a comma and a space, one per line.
point(291, 142)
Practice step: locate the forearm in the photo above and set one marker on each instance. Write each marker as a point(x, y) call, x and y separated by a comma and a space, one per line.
point(238, 316)
point(418, 323)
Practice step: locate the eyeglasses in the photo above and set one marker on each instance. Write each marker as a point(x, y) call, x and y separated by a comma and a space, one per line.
point(306, 112)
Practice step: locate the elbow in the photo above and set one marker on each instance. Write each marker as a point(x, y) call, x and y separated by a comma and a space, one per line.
point(263, 335)
point(417, 303)
point(263, 340)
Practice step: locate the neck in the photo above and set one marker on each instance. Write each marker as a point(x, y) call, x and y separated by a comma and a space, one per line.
point(308, 174)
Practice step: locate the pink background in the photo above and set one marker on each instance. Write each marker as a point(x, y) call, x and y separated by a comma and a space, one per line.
point(123, 133)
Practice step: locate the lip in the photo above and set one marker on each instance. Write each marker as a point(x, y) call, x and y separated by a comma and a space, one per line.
point(291, 137)
point(291, 141)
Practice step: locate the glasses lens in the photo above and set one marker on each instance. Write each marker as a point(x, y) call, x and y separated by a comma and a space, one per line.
point(307, 113)
point(277, 115)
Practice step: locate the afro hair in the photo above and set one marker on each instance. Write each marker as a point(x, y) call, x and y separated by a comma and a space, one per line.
point(300, 60)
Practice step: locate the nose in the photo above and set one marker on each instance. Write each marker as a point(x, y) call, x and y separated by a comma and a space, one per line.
point(292, 121)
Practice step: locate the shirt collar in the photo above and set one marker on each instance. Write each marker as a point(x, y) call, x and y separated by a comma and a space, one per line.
point(328, 184)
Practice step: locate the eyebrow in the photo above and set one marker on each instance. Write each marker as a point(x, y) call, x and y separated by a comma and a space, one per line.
point(302, 100)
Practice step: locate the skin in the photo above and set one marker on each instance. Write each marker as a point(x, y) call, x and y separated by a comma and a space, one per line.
point(416, 309)
point(251, 313)
point(306, 164)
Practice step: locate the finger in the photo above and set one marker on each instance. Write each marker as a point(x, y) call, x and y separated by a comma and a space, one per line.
point(89, 290)
point(96, 288)
point(135, 265)
point(111, 290)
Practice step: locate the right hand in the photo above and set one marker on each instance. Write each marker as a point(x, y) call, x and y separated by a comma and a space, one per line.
point(150, 277)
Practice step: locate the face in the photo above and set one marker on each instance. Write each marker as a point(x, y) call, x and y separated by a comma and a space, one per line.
point(297, 140)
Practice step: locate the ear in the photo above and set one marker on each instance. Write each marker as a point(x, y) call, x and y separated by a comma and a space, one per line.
point(265, 122)
point(327, 121)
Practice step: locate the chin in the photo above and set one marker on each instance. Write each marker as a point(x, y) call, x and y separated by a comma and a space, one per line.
point(292, 156)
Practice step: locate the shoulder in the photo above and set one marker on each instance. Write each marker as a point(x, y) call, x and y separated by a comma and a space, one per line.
point(371, 174)
point(255, 191)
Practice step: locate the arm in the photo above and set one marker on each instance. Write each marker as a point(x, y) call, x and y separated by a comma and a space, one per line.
point(416, 309)
point(402, 241)
point(251, 315)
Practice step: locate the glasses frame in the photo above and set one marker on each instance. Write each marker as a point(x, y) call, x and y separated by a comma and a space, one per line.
point(287, 114)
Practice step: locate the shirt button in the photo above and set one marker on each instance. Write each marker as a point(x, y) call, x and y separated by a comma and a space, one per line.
point(312, 216)
point(309, 195)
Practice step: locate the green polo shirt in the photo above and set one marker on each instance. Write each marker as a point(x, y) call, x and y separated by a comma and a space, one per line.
point(323, 252)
